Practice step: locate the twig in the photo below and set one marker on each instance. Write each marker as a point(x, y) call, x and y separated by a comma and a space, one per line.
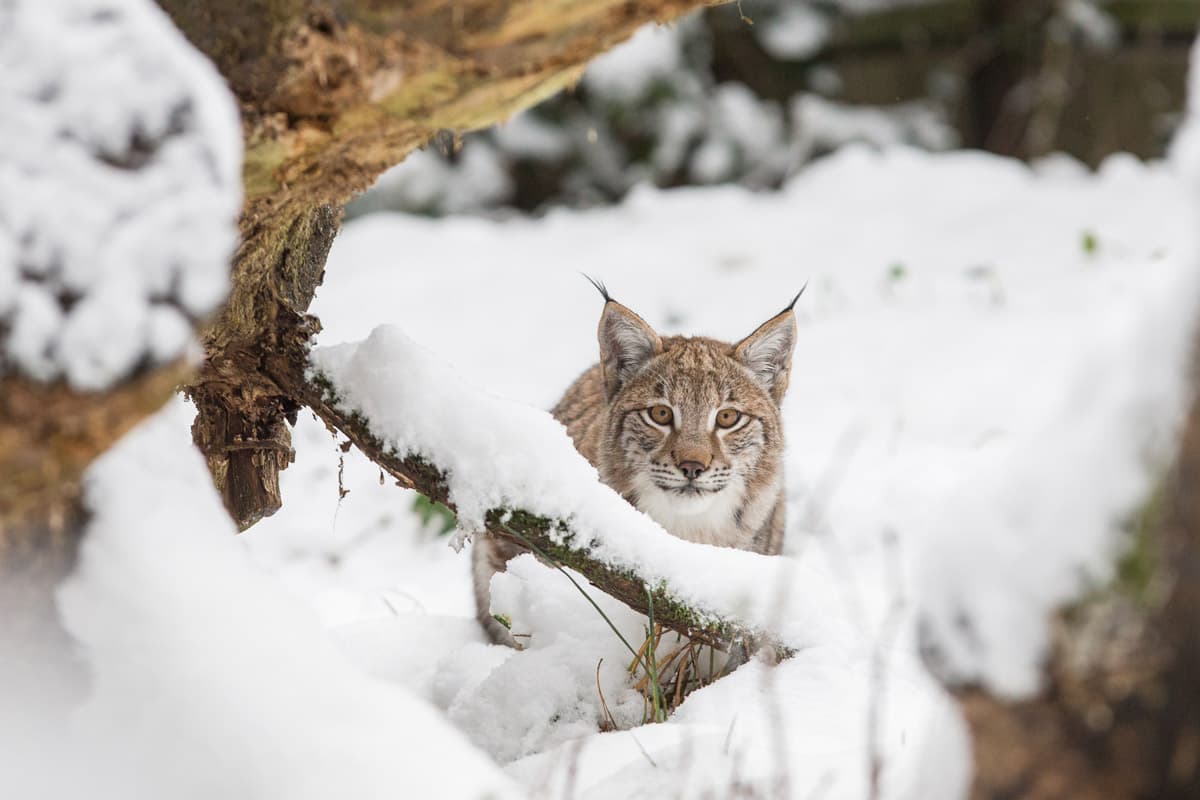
point(822, 787)
point(742, 15)
point(679, 681)
point(653, 763)
point(637, 659)
point(609, 721)
point(729, 733)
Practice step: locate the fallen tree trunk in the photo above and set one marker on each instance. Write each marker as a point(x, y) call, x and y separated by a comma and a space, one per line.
point(332, 94)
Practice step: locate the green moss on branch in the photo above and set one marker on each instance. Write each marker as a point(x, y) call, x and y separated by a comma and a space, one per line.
point(552, 537)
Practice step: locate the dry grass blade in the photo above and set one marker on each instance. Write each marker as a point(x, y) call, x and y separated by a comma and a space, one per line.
point(608, 723)
point(637, 659)
point(667, 662)
point(676, 675)
point(696, 663)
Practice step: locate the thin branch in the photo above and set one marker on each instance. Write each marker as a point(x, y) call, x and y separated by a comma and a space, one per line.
point(552, 539)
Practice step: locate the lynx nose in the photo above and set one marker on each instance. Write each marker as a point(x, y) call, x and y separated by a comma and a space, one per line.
point(691, 469)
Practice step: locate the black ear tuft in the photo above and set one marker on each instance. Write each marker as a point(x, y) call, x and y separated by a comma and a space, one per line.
point(790, 305)
point(599, 287)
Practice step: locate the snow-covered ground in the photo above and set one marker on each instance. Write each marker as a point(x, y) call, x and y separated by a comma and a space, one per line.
point(989, 370)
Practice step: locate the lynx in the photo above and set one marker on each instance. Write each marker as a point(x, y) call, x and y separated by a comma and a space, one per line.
point(687, 429)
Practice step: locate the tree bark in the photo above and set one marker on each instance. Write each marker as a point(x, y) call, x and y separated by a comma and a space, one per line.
point(332, 94)
point(1119, 715)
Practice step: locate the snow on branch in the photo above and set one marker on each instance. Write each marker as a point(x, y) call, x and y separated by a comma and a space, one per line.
point(511, 471)
point(120, 181)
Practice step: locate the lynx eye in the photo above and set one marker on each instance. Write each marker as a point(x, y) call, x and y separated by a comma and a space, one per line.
point(728, 417)
point(661, 415)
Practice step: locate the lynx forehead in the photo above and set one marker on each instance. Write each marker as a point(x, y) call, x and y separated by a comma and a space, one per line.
point(685, 428)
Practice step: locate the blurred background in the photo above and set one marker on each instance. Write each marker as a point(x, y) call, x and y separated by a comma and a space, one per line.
point(749, 92)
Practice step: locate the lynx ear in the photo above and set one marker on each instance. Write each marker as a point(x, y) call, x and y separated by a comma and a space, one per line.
point(768, 351)
point(626, 344)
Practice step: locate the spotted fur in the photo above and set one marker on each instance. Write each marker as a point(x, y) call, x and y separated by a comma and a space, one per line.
point(701, 482)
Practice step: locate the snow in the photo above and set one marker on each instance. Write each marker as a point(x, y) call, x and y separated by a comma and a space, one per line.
point(980, 397)
point(823, 125)
point(653, 110)
point(207, 677)
point(990, 368)
point(628, 71)
point(742, 130)
point(866, 6)
point(483, 443)
point(797, 32)
point(1097, 28)
point(525, 136)
point(117, 206)
point(425, 181)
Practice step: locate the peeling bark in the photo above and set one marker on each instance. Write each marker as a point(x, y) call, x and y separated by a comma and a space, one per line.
point(241, 425)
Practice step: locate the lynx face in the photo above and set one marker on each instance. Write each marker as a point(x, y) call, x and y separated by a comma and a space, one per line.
point(692, 432)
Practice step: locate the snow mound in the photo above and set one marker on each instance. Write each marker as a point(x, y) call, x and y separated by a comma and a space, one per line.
point(119, 184)
point(207, 678)
point(990, 367)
